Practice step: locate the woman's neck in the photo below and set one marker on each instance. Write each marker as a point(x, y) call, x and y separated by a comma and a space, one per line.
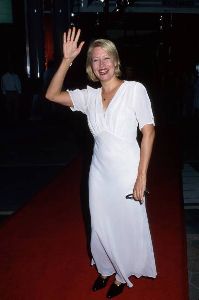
point(110, 85)
point(109, 89)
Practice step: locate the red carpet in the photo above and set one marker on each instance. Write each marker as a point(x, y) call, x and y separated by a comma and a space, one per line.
point(43, 253)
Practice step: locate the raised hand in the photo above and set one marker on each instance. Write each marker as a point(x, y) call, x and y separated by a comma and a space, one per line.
point(70, 44)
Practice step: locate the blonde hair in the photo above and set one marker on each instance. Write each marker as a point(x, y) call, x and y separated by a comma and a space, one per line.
point(111, 49)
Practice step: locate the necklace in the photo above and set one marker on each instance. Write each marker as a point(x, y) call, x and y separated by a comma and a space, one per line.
point(107, 96)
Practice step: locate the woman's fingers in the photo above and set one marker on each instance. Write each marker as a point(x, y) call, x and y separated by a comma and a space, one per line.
point(72, 35)
point(68, 35)
point(70, 43)
point(138, 193)
point(80, 46)
point(139, 188)
point(72, 38)
point(77, 35)
point(64, 37)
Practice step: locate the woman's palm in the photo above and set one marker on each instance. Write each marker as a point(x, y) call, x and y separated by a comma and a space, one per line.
point(70, 43)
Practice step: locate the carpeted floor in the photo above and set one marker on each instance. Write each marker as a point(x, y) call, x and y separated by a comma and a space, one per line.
point(43, 247)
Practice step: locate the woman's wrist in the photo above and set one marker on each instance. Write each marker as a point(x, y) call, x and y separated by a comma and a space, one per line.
point(141, 175)
point(67, 61)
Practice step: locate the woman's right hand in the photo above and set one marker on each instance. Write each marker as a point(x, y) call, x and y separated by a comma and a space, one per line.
point(70, 44)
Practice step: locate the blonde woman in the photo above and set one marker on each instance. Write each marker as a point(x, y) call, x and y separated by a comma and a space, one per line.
point(120, 240)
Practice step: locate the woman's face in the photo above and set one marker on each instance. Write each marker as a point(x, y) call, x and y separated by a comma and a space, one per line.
point(103, 64)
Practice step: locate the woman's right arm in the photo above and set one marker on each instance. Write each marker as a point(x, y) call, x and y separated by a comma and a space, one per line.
point(70, 51)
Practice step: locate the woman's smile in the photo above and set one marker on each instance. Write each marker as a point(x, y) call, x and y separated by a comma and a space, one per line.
point(103, 64)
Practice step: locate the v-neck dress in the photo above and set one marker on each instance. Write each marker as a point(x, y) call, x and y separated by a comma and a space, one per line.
point(120, 240)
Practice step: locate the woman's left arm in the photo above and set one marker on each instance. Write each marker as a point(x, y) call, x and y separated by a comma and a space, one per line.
point(148, 135)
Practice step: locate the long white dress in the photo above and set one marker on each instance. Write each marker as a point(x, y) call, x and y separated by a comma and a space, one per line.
point(120, 240)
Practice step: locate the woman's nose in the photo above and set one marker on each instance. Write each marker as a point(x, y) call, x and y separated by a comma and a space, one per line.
point(102, 63)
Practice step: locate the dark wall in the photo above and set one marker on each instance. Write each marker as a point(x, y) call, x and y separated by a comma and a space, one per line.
point(13, 40)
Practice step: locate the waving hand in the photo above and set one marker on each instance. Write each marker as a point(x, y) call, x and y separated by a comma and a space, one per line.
point(70, 51)
point(70, 44)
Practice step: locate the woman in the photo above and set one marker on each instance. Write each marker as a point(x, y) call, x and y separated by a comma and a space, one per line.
point(120, 239)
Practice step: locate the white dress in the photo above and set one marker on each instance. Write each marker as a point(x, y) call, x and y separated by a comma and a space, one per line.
point(120, 239)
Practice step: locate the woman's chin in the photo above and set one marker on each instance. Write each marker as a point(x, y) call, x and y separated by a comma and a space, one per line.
point(106, 77)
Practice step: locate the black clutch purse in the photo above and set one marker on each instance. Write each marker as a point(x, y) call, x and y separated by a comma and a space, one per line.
point(130, 196)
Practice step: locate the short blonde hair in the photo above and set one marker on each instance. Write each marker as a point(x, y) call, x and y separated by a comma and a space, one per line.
point(111, 49)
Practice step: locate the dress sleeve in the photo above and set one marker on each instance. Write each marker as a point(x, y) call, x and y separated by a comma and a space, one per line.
point(142, 106)
point(79, 99)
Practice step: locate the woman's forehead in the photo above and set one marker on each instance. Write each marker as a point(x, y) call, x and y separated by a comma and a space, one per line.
point(99, 51)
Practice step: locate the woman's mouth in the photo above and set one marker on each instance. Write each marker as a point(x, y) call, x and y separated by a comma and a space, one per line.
point(103, 71)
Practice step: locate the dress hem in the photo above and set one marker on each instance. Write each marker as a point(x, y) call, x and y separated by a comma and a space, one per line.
point(129, 283)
